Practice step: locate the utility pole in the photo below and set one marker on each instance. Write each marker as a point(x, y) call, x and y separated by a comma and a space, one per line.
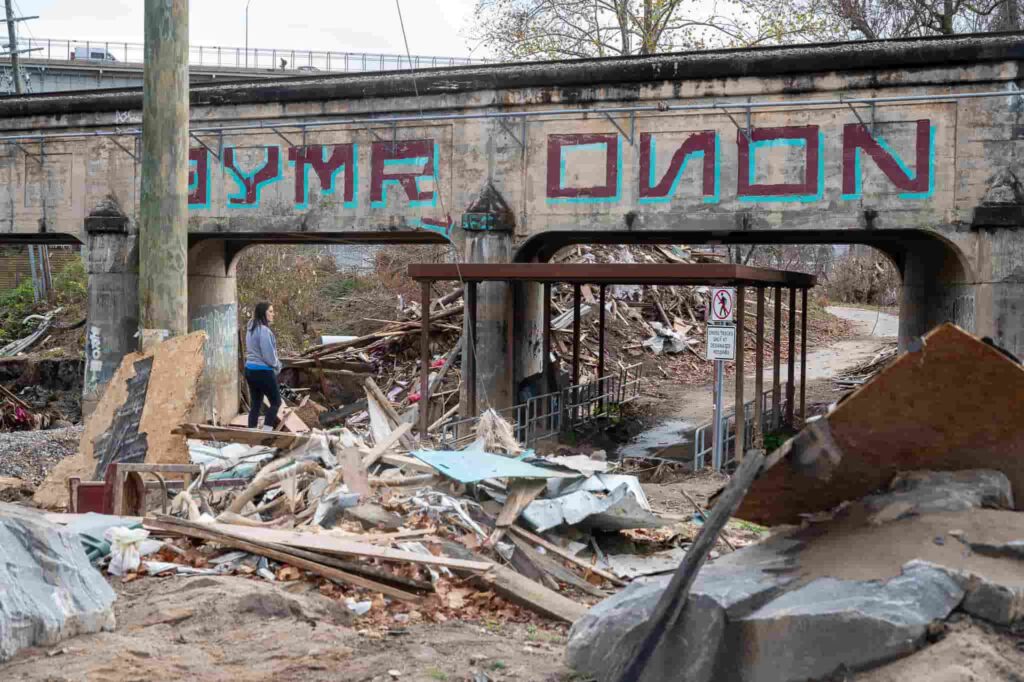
point(163, 233)
point(12, 36)
point(247, 33)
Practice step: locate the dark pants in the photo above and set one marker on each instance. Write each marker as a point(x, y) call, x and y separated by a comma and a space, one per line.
point(263, 382)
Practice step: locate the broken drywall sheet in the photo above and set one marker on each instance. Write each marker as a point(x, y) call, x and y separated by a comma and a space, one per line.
point(953, 404)
point(176, 366)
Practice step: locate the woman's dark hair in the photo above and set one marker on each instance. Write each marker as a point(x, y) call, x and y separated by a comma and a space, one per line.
point(259, 316)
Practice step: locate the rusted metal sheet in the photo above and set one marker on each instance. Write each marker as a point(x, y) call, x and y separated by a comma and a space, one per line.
point(953, 404)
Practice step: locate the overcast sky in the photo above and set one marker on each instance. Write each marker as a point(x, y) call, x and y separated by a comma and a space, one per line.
point(433, 26)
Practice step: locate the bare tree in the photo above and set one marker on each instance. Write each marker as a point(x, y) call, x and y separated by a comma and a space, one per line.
point(530, 29)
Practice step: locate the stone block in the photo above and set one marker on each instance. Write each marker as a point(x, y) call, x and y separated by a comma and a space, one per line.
point(929, 492)
point(829, 624)
point(48, 589)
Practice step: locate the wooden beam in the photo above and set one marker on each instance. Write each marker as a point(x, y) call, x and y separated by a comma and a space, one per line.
point(791, 365)
point(533, 596)
point(776, 361)
point(424, 359)
point(803, 361)
point(673, 600)
point(759, 371)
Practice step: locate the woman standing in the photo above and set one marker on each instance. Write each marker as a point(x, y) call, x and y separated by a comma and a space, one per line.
point(262, 366)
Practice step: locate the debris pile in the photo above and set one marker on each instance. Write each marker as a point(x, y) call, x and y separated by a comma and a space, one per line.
point(404, 534)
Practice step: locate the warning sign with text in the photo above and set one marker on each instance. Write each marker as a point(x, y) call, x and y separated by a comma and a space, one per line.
point(721, 342)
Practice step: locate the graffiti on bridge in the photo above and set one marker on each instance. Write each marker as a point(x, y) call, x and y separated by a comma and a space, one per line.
point(410, 169)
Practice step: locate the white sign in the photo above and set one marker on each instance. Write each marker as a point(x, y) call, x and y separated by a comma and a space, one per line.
point(721, 342)
point(723, 305)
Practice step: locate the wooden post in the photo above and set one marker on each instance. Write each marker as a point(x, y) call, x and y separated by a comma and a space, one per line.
point(469, 350)
point(550, 386)
point(163, 196)
point(791, 367)
point(600, 344)
point(803, 360)
point(776, 369)
point(672, 602)
point(741, 415)
point(424, 358)
point(576, 325)
point(759, 368)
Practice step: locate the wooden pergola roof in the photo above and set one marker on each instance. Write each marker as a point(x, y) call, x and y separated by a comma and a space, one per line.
point(613, 273)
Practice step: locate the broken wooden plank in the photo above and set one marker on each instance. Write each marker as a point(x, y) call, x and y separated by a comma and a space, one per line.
point(373, 392)
point(217, 533)
point(371, 457)
point(354, 472)
point(673, 600)
point(531, 595)
point(551, 547)
point(235, 434)
point(554, 568)
point(326, 542)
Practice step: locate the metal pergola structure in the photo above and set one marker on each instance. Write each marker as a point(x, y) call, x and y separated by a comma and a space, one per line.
point(604, 274)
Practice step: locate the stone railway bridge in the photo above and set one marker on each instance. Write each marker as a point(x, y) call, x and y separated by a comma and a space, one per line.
point(914, 147)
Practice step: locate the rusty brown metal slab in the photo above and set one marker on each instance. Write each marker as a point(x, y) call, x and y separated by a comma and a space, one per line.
point(612, 273)
point(953, 404)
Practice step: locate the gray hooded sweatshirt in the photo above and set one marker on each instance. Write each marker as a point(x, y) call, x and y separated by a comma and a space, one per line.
point(261, 347)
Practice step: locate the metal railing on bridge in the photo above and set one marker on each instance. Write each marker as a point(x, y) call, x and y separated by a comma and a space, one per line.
point(546, 416)
point(112, 53)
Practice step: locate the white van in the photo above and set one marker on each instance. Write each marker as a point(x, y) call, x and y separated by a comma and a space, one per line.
point(93, 54)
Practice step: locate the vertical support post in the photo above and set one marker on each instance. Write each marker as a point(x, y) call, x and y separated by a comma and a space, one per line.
point(741, 416)
point(576, 325)
point(791, 367)
point(718, 445)
point(469, 349)
point(601, 345)
point(776, 369)
point(35, 277)
point(759, 370)
point(163, 214)
point(550, 385)
point(12, 36)
point(424, 358)
point(803, 359)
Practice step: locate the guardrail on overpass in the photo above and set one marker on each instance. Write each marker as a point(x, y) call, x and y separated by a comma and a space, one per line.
point(125, 53)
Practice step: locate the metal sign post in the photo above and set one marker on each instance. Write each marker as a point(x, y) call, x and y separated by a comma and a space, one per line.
point(721, 346)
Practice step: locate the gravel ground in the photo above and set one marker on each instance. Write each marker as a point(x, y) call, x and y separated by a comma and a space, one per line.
point(29, 455)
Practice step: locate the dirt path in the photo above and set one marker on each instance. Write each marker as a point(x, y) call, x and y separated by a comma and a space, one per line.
point(680, 409)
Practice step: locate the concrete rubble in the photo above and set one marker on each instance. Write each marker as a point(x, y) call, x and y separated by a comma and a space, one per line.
point(772, 612)
point(48, 589)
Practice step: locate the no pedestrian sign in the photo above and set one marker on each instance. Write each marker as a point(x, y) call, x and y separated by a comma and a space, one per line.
point(721, 342)
point(723, 305)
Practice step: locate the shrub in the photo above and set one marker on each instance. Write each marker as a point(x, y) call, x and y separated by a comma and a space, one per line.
point(867, 279)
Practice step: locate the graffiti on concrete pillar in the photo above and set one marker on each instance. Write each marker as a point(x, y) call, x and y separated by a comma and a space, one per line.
point(919, 184)
point(325, 161)
point(809, 140)
point(701, 147)
point(93, 360)
point(199, 178)
point(606, 186)
point(417, 161)
point(251, 183)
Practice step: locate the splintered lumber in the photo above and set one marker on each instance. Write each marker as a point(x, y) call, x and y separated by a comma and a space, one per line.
point(354, 472)
point(357, 567)
point(373, 392)
point(235, 434)
point(555, 569)
point(230, 537)
point(261, 483)
point(673, 599)
point(371, 457)
point(533, 596)
point(521, 493)
point(331, 544)
point(555, 549)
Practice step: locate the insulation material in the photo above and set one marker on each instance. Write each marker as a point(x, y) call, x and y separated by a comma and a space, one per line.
point(170, 393)
point(952, 404)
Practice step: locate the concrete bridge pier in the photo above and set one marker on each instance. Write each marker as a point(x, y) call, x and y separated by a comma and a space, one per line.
point(494, 359)
point(936, 289)
point(112, 264)
point(529, 331)
point(213, 308)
